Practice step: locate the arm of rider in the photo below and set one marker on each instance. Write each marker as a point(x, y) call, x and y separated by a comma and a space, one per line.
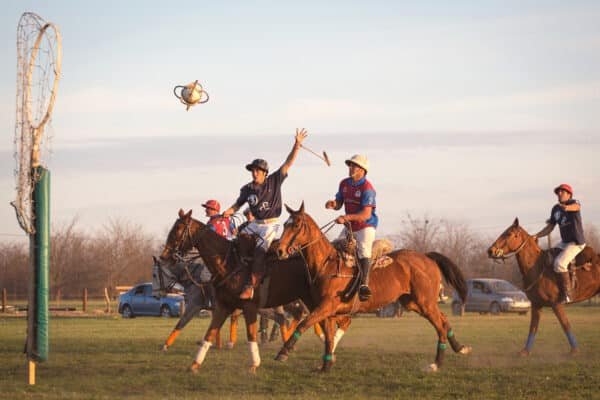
point(363, 215)
point(571, 207)
point(230, 211)
point(333, 205)
point(546, 231)
point(300, 136)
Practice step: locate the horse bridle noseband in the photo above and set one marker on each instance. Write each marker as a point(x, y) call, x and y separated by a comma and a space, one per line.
point(503, 257)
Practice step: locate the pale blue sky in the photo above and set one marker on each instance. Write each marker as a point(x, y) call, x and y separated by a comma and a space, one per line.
point(468, 110)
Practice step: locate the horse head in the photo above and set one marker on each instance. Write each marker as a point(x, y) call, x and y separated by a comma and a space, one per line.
point(163, 279)
point(179, 240)
point(296, 233)
point(510, 242)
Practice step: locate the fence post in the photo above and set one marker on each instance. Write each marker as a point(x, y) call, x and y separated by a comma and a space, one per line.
point(107, 300)
point(85, 298)
point(4, 300)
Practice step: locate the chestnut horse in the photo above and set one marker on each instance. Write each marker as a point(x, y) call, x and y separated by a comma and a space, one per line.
point(412, 277)
point(539, 279)
point(197, 296)
point(288, 281)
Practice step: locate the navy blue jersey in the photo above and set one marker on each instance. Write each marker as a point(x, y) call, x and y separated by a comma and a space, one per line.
point(264, 200)
point(569, 222)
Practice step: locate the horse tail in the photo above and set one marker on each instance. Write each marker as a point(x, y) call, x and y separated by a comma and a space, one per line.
point(451, 273)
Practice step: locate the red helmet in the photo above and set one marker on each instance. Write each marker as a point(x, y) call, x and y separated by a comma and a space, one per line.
point(213, 204)
point(565, 187)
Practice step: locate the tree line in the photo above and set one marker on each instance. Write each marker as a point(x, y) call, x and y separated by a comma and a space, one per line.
point(120, 253)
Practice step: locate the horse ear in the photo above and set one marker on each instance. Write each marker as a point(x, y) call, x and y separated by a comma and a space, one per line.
point(181, 213)
point(301, 207)
point(516, 222)
point(288, 209)
point(188, 215)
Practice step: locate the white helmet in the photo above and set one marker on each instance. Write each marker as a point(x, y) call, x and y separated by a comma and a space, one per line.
point(359, 160)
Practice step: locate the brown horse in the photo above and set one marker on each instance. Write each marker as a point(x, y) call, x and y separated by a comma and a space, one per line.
point(412, 277)
point(288, 281)
point(539, 279)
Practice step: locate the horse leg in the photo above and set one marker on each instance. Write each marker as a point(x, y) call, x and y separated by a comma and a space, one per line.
point(187, 316)
point(559, 311)
point(276, 331)
point(328, 358)
point(250, 311)
point(432, 314)
point(343, 324)
point(319, 332)
point(536, 313)
point(233, 328)
point(263, 327)
point(219, 316)
point(324, 310)
point(456, 346)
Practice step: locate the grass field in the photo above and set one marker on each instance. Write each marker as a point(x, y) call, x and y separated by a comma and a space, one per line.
point(113, 358)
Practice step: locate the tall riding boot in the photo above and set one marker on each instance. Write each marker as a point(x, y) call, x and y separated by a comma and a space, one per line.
point(564, 284)
point(258, 269)
point(364, 293)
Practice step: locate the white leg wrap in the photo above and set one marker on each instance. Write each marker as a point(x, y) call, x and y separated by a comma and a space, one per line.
point(322, 337)
point(254, 354)
point(336, 339)
point(202, 351)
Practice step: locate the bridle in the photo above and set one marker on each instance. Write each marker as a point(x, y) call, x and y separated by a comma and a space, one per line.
point(298, 249)
point(178, 255)
point(499, 254)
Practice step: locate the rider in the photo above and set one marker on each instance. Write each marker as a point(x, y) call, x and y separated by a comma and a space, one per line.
point(567, 215)
point(222, 225)
point(263, 195)
point(249, 218)
point(357, 194)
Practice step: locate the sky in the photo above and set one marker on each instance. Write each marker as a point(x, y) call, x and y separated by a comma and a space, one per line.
point(468, 111)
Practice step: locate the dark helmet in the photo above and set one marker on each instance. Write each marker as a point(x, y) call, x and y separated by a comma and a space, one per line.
point(258, 163)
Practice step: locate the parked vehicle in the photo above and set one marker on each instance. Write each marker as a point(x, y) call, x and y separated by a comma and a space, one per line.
point(492, 296)
point(139, 301)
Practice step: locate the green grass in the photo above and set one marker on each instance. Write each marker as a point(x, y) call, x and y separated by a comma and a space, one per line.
point(113, 358)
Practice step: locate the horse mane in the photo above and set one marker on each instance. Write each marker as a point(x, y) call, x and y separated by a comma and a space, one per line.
point(316, 227)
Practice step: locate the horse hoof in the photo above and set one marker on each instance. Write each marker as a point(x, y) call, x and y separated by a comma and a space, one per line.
point(252, 369)
point(524, 353)
point(465, 350)
point(164, 348)
point(432, 368)
point(229, 345)
point(195, 368)
point(281, 357)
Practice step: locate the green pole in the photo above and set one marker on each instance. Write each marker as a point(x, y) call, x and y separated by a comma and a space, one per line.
point(38, 300)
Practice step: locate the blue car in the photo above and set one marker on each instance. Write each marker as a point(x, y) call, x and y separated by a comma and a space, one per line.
point(139, 301)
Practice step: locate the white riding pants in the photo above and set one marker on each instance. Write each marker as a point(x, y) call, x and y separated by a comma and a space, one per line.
point(568, 254)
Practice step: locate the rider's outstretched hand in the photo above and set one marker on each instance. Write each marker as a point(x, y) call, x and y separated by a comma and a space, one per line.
point(301, 134)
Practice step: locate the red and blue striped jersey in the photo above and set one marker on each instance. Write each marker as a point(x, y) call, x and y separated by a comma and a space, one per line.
point(221, 225)
point(355, 196)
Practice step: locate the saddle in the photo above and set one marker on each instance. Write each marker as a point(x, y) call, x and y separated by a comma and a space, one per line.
point(346, 247)
point(584, 260)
